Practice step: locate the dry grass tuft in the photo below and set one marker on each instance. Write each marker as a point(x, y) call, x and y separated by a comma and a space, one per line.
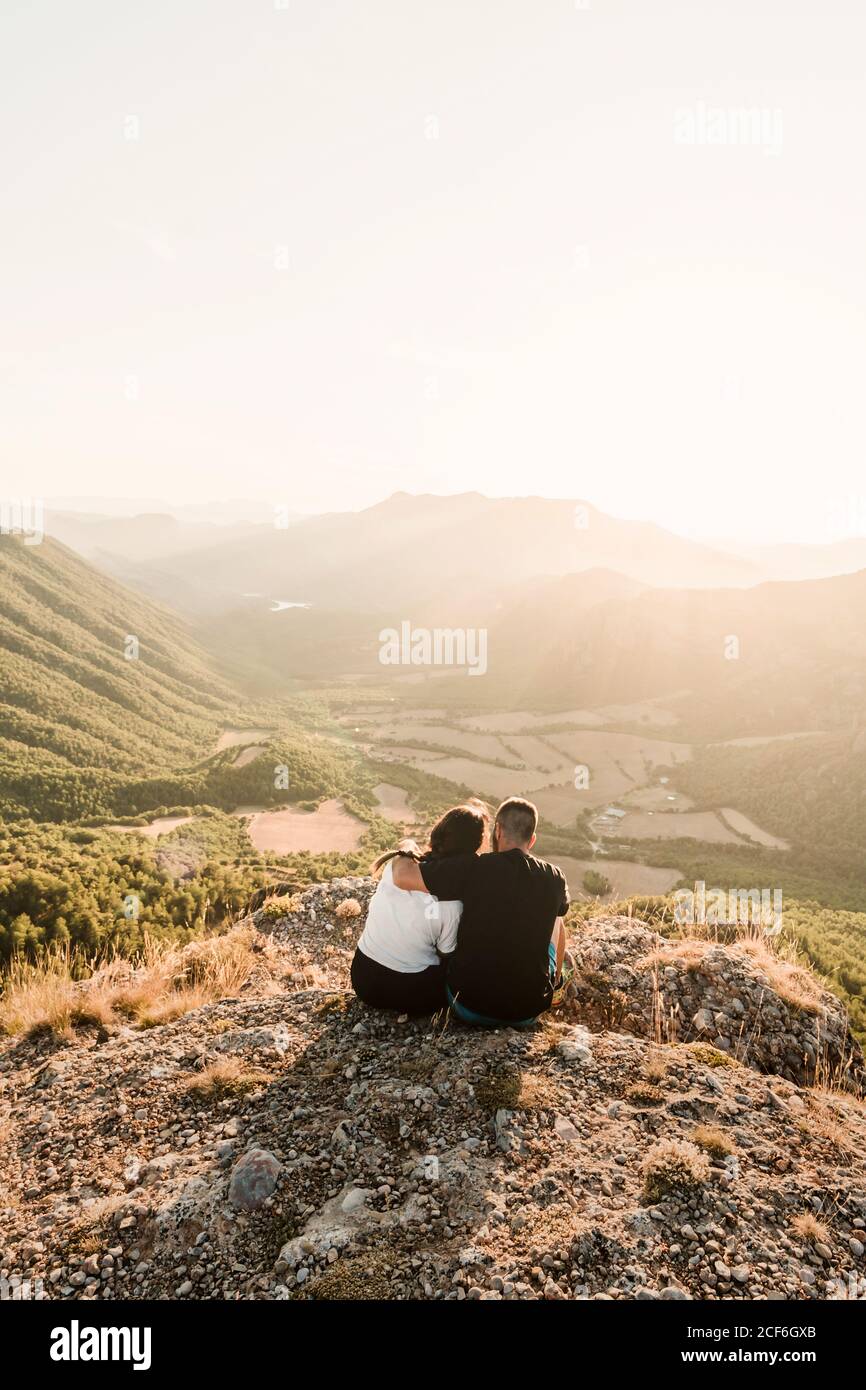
point(713, 1140)
point(225, 1077)
point(673, 1165)
point(89, 1231)
point(514, 1090)
point(349, 907)
point(711, 1056)
point(655, 1068)
point(794, 983)
point(807, 1226)
point(689, 954)
point(276, 908)
point(42, 997)
point(334, 1004)
point(644, 1093)
point(832, 1121)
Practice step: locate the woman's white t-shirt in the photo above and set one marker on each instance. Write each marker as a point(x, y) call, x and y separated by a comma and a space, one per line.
point(403, 930)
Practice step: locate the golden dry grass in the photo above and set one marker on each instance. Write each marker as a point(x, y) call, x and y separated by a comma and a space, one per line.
point(655, 1068)
point(794, 983)
point(48, 995)
point(276, 907)
point(515, 1090)
point(673, 1166)
point(807, 1226)
point(836, 1122)
point(43, 997)
point(644, 1093)
point(710, 1056)
point(689, 954)
point(227, 1076)
point(713, 1140)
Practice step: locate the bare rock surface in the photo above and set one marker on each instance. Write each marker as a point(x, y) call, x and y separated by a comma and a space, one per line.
point(738, 998)
point(353, 1154)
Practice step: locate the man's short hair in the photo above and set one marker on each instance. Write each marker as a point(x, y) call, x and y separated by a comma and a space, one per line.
point(518, 819)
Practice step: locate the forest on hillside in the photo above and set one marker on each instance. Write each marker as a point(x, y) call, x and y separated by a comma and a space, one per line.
point(101, 892)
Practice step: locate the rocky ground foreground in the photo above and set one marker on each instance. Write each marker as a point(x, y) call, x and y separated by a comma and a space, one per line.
point(290, 1143)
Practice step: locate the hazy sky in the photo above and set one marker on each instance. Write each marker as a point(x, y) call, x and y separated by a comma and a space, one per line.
point(317, 250)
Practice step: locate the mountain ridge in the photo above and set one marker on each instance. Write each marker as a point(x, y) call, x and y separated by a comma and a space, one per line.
point(282, 1141)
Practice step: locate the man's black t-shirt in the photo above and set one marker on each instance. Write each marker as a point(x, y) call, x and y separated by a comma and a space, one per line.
point(511, 901)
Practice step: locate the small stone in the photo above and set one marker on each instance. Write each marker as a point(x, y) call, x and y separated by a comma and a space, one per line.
point(577, 1048)
point(356, 1197)
point(552, 1290)
point(253, 1180)
point(856, 1246)
point(566, 1130)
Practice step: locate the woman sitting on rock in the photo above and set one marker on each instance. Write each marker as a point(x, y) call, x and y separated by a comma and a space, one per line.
point(399, 961)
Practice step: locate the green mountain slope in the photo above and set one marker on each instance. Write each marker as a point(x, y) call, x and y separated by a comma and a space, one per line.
point(67, 685)
point(87, 732)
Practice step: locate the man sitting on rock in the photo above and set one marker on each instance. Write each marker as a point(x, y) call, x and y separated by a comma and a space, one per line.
point(510, 948)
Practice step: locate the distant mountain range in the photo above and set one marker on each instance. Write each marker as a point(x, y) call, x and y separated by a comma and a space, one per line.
point(423, 549)
point(776, 658)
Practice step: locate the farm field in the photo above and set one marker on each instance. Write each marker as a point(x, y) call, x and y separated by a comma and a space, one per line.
point(506, 754)
point(625, 878)
point(744, 826)
point(393, 804)
point(673, 825)
point(540, 766)
point(486, 747)
point(329, 827)
point(485, 779)
point(512, 722)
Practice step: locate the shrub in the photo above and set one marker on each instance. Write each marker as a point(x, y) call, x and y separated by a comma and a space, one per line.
point(711, 1056)
point(673, 1165)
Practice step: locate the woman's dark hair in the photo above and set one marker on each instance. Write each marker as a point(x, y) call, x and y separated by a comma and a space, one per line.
point(459, 831)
